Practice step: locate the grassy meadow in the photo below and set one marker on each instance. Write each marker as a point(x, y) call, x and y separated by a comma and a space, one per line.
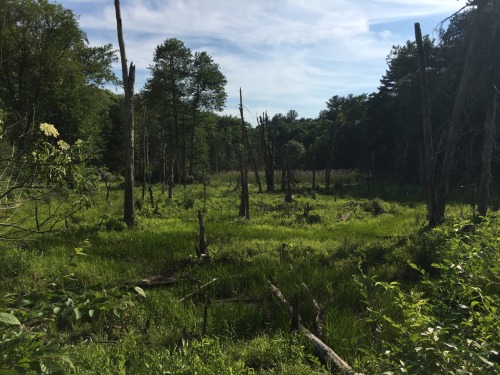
point(81, 295)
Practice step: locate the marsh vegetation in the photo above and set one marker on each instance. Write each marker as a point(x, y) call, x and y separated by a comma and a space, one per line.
point(372, 281)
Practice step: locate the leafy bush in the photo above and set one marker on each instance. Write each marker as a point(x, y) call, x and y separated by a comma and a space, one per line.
point(447, 324)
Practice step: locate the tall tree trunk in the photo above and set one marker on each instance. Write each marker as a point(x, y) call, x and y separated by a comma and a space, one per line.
point(163, 167)
point(128, 87)
point(489, 123)
point(252, 160)
point(267, 150)
point(314, 173)
point(145, 162)
point(283, 175)
point(455, 126)
point(328, 174)
point(244, 200)
point(191, 145)
point(430, 175)
point(171, 179)
point(288, 195)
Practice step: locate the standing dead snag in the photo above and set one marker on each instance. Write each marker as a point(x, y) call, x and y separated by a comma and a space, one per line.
point(244, 200)
point(268, 149)
point(202, 249)
point(288, 176)
point(128, 87)
point(429, 169)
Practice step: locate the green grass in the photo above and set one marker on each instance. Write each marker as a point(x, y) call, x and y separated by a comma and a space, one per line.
point(311, 247)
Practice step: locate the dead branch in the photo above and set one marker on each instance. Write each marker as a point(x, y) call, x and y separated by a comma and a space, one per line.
point(326, 355)
point(198, 289)
point(317, 307)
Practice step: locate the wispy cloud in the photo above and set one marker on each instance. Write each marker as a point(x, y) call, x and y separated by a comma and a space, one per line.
point(285, 54)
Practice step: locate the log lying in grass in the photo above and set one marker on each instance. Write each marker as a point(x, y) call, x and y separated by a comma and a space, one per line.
point(326, 355)
point(156, 281)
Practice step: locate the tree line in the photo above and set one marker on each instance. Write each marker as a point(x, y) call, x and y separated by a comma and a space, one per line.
point(50, 74)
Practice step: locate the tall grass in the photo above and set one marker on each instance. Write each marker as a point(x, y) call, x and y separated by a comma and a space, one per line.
point(311, 247)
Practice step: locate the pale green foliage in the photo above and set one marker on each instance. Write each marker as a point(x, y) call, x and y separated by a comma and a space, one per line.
point(53, 169)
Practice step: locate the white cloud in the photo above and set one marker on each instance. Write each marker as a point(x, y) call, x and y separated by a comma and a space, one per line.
point(284, 53)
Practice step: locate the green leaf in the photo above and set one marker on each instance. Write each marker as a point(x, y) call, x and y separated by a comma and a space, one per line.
point(5, 371)
point(140, 291)
point(78, 313)
point(91, 313)
point(486, 361)
point(10, 319)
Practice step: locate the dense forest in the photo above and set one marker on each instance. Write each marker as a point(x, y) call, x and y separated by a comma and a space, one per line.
point(378, 217)
point(49, 74)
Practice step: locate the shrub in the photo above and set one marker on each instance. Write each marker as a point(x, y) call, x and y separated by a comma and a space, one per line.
point(446, 324)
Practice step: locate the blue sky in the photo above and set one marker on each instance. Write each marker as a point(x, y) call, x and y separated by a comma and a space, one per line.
point(284, 54)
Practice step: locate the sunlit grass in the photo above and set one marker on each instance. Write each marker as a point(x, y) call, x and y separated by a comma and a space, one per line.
point(311, 247)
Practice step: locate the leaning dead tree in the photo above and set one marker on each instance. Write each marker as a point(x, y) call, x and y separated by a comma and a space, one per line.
point(128, 75)
point(244, 199)
point(325, 354)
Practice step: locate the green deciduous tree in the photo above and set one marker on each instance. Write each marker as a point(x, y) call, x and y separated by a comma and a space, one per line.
point(48, 72)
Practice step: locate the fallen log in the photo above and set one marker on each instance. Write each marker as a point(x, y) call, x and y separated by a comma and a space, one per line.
point(325, 354)
point(156, 281)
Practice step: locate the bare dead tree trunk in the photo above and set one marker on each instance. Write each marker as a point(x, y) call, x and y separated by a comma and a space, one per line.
point(283, 175)
point(328, 174)
point(163, 166)
point(314, 173)
point(192, 137)
point(268, 148)
point(252, 160)
point(429, 169)
point(244, 200)
point(171, 179)
point(216, 155)
point(144, 153)
point(456, 123)
point(202, 249)
point(288, 195)
point(128, 87)
point(255, 169)
point(489, 123)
